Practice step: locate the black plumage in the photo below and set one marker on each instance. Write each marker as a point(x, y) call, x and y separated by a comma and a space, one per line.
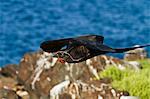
point(74, 50)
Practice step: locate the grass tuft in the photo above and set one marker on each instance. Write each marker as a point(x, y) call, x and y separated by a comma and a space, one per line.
point(137, 83)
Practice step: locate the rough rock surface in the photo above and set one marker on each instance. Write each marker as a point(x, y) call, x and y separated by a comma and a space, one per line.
point(40, 76)
point(139, 53)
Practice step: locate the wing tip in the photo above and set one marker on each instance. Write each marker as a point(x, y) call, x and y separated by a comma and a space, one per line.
point(43, 44)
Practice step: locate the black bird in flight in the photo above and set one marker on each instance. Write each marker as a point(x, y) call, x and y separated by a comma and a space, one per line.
point(74, 50)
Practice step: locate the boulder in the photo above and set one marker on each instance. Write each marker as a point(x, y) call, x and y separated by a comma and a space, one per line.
point(41, 76)
point(8, 94)
point(137, 54)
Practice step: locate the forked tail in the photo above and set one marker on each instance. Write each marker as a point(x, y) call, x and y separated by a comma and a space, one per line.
point(121, 50)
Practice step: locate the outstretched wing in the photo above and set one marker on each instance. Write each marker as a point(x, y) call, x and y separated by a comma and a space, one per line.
point(92, 45)
point(54, 45)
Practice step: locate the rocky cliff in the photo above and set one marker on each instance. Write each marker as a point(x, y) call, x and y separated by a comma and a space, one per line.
point(41, 76)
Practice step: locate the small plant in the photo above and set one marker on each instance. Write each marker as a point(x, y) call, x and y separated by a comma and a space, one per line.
point(115, 74)
point(136, 83)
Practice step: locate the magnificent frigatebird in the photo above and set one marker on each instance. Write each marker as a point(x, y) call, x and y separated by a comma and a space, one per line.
point(78, 49)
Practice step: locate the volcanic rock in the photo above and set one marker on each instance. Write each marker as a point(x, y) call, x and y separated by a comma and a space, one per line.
point(8, 94)
point(137, 54)
point(41, 76)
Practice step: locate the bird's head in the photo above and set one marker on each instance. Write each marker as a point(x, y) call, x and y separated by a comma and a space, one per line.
point(61, 55)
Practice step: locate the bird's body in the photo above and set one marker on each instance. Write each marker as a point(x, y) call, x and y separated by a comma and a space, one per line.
point(74, 50)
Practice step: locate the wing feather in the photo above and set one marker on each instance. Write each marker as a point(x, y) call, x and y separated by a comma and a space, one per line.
point(89, 41)
point(54, 45)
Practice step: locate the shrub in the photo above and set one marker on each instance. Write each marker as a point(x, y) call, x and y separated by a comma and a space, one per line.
point(136, 83)
point(115, 73)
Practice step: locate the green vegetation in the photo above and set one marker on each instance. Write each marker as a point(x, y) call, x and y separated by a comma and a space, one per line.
point(137, 83)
